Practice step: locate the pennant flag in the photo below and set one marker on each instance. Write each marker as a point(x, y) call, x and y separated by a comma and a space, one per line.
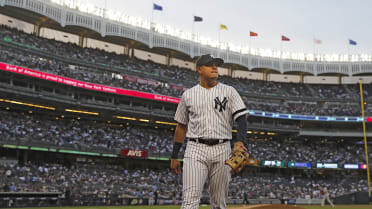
point(284, 38)
point(223, 27)
point(198, 19)
point(252, 33)
point(351, 42)
point(157, 7)
point(317, 41)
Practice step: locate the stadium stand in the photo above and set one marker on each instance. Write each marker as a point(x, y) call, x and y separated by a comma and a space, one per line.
point(85, 135)
point(77, 179)
point(93, 184)
point(60, 59)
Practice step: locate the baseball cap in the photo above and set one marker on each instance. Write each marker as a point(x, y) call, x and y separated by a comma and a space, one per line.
point(206, 59)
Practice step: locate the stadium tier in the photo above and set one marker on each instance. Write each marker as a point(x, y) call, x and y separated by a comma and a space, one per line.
point(99, 67)
point(102, 137)
point(86, 126)
point(97, 184)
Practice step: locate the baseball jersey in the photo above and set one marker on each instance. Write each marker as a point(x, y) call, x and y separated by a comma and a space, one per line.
point(209, 113)
point(325, 191)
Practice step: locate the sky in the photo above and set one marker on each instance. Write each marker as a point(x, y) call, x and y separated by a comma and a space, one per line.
point(332, 21)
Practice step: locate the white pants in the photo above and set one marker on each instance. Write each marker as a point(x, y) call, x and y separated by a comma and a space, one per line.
point(151, 201)
point(202, 162)
point(329, 201)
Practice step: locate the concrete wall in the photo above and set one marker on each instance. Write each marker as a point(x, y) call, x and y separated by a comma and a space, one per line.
point(284, 78)
point(59, 36)
point(143, 55)
point(321, 79)
point(355, 79)
point(183, 64)
point(14, 23)
point(92, 43)
point(247, 74)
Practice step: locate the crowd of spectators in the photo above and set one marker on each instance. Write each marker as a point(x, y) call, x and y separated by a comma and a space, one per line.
point(14, 57)
point(94, 76)
point(169, 80)
point(306, 185)
point(107, 182)
point(87, 181)
point(81, 135)
point(104, 137)
point(305, 150)
point(306, 108)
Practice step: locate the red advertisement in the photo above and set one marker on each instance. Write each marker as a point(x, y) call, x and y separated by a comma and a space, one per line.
point(85, 85)
point(177, 87)
point(133, 153)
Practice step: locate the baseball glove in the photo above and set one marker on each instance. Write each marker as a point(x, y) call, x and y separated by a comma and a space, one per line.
point(239, 157)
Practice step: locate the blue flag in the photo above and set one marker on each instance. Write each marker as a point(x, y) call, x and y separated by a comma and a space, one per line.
point(351, 42)
point(198, 19)
point(157, 7)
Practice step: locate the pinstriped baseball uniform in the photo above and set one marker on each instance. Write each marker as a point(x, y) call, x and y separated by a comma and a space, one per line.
point(209, 115)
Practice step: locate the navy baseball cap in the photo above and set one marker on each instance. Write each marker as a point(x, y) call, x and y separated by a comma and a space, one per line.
point(207, 59)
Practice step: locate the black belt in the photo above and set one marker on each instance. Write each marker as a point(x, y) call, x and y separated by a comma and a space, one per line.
point(209, 142)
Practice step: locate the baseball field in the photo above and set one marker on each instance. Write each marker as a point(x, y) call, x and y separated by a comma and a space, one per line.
point(230, 207)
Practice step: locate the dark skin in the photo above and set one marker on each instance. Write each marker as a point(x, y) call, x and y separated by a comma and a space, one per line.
point(208, 75)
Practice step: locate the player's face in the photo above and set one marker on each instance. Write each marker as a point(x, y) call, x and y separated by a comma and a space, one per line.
point(208, 71)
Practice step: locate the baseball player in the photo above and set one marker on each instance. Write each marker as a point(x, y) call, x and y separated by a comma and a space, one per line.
point(205, 116)
point(326, 196)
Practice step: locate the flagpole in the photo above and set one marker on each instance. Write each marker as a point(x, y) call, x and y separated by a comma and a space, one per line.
point(281, 49)
point(219, 34)
point(192, 30)
point(250, 42)
point(105, 8)
point(314, 46)
point(152, 16)
point(348, 52)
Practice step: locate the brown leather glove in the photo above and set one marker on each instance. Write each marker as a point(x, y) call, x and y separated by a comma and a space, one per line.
point(239, 157)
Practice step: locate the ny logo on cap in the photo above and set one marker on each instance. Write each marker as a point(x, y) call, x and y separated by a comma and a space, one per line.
point(217, 102)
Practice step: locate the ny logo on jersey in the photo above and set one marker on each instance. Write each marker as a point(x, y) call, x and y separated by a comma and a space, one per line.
point(217, 102)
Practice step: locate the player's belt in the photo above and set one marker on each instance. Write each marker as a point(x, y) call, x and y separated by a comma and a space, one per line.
point(209, 142)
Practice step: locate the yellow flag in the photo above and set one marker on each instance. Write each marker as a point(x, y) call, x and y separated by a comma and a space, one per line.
point(223, 27)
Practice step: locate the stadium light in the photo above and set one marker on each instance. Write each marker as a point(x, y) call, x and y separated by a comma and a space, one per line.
point(125, 118)
point(166, 123)
point(27, 104)
point(82, 111)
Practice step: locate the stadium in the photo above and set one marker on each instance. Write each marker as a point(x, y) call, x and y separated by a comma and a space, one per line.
point(87, 107)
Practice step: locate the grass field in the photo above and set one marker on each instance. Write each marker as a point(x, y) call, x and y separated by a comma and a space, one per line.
point(203, 207)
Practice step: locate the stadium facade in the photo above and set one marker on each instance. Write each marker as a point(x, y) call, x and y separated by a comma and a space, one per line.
point(36, 101)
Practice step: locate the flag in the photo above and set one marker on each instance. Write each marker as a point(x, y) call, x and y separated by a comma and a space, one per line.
point(317, 41)
point(223, 27)
point(351, 42)
point(198, 19)
point(157, 7)
point(284, 38)
point(252, 33)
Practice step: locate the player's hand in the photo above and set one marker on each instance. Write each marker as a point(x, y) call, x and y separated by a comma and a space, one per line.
point(175, 166)
point(238, 158)
point(241, 145)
